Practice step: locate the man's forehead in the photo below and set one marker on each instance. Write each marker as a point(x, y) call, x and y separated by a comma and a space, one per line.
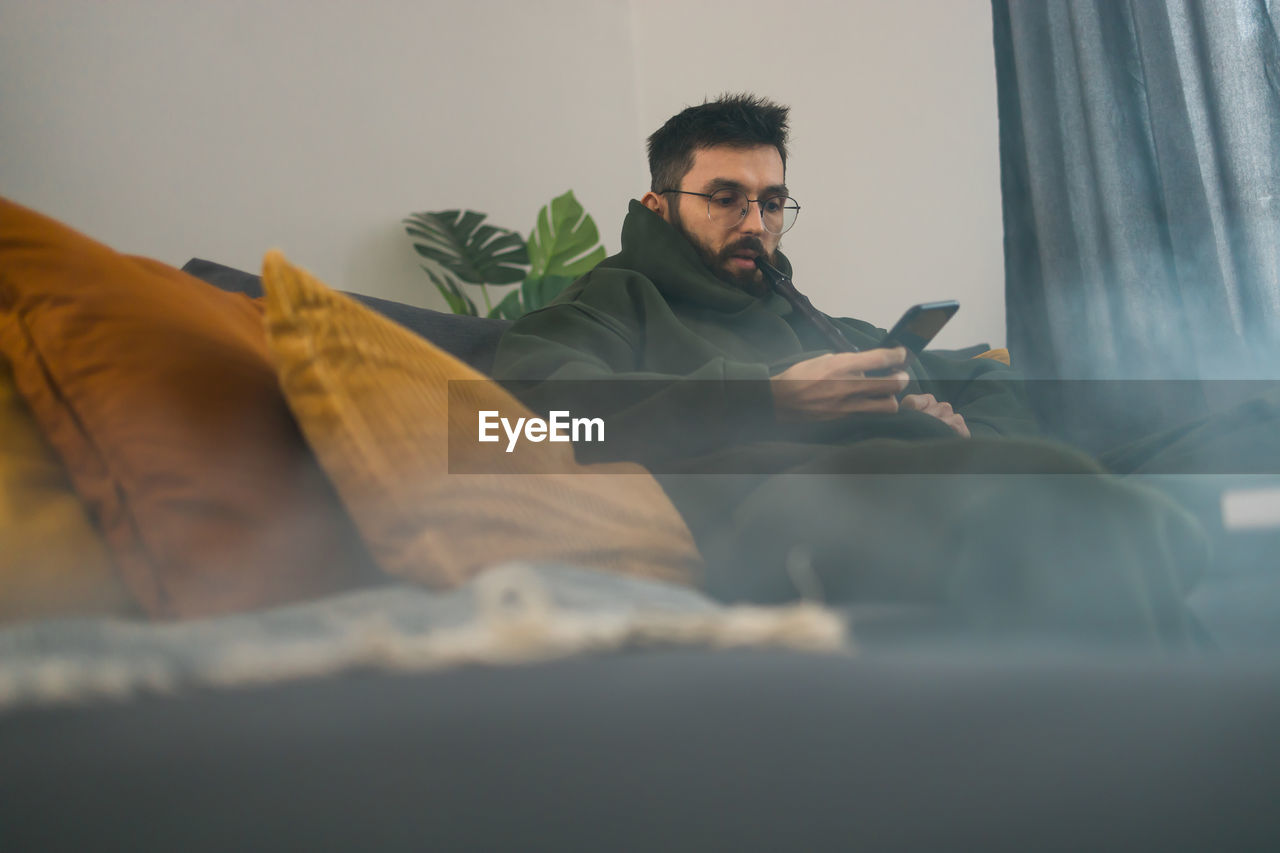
point(728, 165)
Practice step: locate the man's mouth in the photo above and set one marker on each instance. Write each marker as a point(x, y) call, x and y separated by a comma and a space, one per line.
point(743, 257)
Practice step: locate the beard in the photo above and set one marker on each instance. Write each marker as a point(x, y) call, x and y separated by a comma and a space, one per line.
point(752, 281)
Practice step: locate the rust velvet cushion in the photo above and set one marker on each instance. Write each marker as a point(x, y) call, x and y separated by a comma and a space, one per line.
point(53, 561)
point(159, 394)
point(375, 402)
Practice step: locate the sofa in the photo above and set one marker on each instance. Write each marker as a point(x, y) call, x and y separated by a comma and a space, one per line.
point(547, 695)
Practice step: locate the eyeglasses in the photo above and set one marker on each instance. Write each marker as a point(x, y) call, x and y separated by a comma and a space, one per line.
point(728, 207)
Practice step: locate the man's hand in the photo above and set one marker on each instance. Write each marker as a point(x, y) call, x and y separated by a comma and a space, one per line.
point(831, 386)
point(929, 404)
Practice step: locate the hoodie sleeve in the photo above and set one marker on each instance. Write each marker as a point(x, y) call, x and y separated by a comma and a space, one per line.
point(991, 396)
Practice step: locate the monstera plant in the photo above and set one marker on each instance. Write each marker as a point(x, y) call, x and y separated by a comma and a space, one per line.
point(460, 249)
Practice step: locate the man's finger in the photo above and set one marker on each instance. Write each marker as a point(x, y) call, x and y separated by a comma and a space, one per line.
point(919, 402)
point(887, 357)
point(891, 384)
point(851, 363)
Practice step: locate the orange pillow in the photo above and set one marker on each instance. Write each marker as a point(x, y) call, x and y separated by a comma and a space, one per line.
point(53, 562)
point(158, 392)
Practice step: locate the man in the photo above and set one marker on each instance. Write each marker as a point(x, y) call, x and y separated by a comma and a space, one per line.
point(799, 473)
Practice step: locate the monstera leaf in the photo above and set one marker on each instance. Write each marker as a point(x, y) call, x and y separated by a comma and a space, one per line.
point(476, 253)
point(451, 290)
point(565, 241)
point(461, 248)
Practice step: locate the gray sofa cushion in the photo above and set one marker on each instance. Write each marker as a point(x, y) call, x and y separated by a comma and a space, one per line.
point(669, 750)
point(472, 339)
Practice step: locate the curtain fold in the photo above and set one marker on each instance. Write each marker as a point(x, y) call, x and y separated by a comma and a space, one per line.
point(1139, 143)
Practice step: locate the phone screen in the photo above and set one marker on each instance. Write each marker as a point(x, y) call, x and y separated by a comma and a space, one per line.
point(919, 325)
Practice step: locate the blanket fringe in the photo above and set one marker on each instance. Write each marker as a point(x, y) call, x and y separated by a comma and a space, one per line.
point(518, 624)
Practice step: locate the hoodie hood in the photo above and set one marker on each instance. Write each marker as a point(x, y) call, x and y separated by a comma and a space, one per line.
point(653, 247)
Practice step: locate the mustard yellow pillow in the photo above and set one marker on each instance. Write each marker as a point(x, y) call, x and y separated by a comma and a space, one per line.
point(53, 562)
point(373, 400)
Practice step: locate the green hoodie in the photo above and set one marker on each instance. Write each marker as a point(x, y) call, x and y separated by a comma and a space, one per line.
point(655, 312)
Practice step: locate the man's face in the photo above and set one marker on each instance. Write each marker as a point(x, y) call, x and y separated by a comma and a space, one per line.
point(729, 252)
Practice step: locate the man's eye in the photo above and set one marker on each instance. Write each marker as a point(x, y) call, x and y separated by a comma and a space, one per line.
point(772, 205)
point(727, 200)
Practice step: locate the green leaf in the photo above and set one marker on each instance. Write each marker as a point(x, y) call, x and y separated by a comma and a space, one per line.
point(565, 240)
point(458, 241)
point(451, 290)
point(509, 308)
point(538, 291)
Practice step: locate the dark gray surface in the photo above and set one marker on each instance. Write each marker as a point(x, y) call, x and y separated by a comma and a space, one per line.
point(675, 750)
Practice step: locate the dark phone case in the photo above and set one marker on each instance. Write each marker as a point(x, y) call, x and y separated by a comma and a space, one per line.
point(919, 324)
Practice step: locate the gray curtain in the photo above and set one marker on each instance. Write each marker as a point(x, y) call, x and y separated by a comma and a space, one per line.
point(1139, 143)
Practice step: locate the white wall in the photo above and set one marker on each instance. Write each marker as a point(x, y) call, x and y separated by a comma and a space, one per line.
point(176, 128)
point(179, 128)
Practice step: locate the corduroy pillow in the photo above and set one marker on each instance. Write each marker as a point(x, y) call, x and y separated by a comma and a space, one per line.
point(159, 394)
point(52, 560)
point(373, 400)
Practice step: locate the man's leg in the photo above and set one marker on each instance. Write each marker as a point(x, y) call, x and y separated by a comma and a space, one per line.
point(1005, 536)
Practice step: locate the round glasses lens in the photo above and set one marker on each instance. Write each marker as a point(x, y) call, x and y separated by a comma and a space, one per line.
point(727, 207)
point(777, 212)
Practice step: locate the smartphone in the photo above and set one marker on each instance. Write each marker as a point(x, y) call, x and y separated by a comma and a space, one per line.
point(917, 327)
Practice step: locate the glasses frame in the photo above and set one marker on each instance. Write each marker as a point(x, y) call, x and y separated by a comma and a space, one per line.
point(745, 210)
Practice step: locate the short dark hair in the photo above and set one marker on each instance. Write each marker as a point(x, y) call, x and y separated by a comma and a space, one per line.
point(741, 121)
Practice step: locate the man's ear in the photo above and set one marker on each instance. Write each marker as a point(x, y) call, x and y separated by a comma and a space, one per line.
point(656, 203)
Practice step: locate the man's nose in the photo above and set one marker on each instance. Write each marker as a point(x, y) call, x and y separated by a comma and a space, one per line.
point(753, 221)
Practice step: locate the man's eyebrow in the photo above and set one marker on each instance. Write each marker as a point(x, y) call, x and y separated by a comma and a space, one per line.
point(728, 184)
point(722, 184)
